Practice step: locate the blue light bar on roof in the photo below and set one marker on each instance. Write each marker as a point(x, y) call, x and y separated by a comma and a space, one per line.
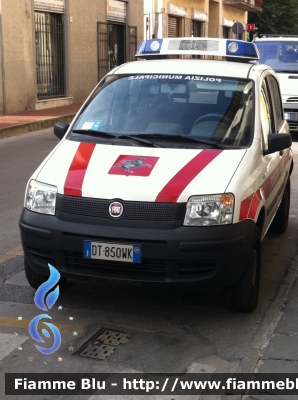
point(152, 46)
point(239, 49)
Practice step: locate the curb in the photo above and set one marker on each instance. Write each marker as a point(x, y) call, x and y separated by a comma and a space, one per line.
point(16, 130)
point(270, 320)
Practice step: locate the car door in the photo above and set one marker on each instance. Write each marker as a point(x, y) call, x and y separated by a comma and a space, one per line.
point(272, 121)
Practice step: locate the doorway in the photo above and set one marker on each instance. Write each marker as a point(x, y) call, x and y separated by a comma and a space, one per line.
point(50, 58)
point(116, 43)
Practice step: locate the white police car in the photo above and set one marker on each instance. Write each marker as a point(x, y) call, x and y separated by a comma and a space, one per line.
point(171, 172)
point(281, 53)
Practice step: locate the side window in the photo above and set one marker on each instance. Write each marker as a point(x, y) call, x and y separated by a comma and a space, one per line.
point(276, 102)
point(266, 118)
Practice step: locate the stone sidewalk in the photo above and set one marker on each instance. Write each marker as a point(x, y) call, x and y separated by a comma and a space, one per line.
point(17, 124)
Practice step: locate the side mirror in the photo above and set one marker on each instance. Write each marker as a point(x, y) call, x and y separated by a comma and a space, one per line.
point(60, 129)
point(278, 142)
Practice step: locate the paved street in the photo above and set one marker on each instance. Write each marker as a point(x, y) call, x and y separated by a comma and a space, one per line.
point(168, 330)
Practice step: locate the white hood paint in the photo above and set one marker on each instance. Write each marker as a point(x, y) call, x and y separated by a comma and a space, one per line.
point(98, 183)
point(289, 87)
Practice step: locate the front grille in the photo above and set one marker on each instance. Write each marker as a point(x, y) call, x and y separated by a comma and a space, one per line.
point(40, 253)
point(149, 268)
point(133, 210)
point(195, 269)
point(293, 126)
point(291, 110)
point(292, 100)
point(155, 269)
point(69, 237)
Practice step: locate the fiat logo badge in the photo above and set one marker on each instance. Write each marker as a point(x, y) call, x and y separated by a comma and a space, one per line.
point(115, 209)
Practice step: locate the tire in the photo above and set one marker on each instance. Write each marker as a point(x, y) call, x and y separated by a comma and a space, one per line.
point(243, 296)
point(35, 279)
point(281, 219)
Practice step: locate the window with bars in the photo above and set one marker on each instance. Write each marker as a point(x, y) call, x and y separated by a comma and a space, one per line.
point(226, 32)
point(173, 27)
point(197, 28)
point(50, 58)
point(196, 32)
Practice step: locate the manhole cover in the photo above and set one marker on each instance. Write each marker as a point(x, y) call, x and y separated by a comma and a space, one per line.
point(102, 344)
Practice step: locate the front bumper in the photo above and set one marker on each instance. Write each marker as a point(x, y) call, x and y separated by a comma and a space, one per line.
point(291, 115)
point(171, 253)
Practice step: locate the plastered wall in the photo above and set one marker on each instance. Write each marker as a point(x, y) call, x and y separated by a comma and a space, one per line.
point(82, 45)
point(83, 51)
point(18, 89)
point(234, 14)
point(18, 71)
point(214, 20)
point(215, 10)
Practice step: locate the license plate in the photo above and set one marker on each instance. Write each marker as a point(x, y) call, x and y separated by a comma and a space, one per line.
point(287, 116)
point(113, 252)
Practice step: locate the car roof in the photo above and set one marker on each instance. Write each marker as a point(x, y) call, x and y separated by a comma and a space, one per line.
point(277, 39)
point(191, 67)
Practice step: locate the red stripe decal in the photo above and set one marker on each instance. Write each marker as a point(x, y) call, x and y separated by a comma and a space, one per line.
point(244, 207)
point(257, 198)
point(250, 205)
point(173, 189)
point(76, 174)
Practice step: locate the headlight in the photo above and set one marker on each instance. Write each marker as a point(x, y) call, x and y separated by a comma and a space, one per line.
point(209, 210)
point(41, 198)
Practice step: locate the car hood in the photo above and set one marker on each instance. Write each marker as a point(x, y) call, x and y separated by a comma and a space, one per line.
point(288, 84)
point(138, 173)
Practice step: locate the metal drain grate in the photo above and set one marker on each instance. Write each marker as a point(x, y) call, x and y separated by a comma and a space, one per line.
point(102, 344)
point(113, 338)
point(101, 351)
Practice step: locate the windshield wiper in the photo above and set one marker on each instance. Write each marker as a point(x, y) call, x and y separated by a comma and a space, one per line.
point(138, 137)
point(148, 142)
point(112, 135)
point(95, 133)
point(211, 143)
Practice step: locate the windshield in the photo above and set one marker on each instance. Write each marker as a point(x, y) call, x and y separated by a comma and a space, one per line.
point(281, 56)
point(177, 107)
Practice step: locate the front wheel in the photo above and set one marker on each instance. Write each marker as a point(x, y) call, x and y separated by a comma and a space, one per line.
point(243, 296)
